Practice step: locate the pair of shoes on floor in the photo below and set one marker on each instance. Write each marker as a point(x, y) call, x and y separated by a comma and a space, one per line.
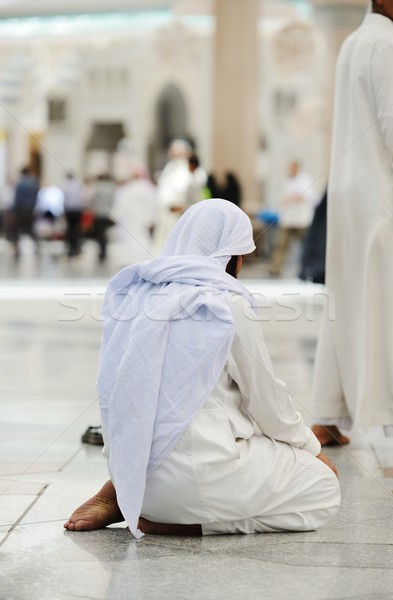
point(93, 435)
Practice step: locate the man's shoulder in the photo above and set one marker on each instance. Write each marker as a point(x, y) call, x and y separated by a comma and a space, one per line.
point(375, 30)
point(366, 45)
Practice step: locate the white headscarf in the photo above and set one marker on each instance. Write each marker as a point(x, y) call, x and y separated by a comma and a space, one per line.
point(168, 328)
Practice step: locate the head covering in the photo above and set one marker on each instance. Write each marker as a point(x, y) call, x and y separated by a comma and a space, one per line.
point(168, 328)
point(213, 228)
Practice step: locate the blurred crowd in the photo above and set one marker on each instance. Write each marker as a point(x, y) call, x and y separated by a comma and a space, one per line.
point(137, 212)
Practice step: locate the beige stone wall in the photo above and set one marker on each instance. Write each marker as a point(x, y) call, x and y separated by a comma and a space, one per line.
point(232, 85)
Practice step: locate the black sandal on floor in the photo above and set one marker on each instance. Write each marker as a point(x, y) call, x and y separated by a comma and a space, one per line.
point(93, 436)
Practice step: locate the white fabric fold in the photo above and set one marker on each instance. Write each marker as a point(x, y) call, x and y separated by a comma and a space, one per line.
point(168, 328)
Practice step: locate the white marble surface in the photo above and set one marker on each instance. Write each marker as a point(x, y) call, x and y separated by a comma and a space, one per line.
point(47, 399)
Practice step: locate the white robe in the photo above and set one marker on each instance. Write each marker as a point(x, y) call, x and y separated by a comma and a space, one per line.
point(354, 362)
point(135, 209)
point(228, 476)
point(298, 201)
point(172, 188)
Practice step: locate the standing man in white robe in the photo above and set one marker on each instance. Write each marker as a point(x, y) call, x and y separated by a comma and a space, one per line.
point(172, 185)
point(297, 204)
point(354, 364)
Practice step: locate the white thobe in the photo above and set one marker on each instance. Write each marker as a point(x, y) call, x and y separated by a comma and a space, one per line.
point(75, 195)
point(172, 188)
point(247, 461)
point(135, 211)
point(198, 180)
point(298, 201)
point(354, 362)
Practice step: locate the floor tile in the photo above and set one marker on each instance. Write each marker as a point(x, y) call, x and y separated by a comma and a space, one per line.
point(25, 468)
point(20, 488)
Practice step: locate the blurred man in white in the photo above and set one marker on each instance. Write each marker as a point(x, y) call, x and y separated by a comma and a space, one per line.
point(48, 209)
point(173, 185)
point(135, 211)
point(354, 362)
point(297, 204)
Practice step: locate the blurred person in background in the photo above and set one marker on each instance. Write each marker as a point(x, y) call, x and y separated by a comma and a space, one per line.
point(75, 196)
point(135, 209)
point(26, 191)
point(312, 266)
point(196, 190)
point(297, 204)
point(226, 186)
point(101, 203)
point(172, 187)
point(48, 209)
point(6, 202)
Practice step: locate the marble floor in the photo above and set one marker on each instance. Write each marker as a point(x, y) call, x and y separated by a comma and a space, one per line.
point(50, 334)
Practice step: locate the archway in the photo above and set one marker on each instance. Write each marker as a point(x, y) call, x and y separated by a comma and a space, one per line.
point(170, 122)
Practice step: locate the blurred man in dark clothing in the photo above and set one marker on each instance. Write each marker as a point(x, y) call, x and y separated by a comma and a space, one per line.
point(25, 199)
point(227, 187)
point(314, 252)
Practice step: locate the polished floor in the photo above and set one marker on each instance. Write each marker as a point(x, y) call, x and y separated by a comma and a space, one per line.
point(50, 335)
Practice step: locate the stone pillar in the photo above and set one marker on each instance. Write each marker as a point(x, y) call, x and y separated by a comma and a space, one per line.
point(336, 19)
point(3, 158)
point(235, 94)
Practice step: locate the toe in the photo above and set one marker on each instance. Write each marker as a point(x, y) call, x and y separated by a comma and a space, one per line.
point(83, 525)
point(344, 440)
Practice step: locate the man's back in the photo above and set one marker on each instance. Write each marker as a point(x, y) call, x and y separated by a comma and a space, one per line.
point(362, 149)
point(74, 195)
point(102, 197)
point(26, 191)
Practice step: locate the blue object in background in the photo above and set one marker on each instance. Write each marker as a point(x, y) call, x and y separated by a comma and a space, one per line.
point(269, 217)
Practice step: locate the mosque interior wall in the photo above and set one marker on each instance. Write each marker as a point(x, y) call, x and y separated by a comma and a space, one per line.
point(72, 94)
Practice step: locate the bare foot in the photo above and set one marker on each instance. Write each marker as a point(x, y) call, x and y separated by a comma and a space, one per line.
point(168, 529)
point(330, 435)
point(98, 512)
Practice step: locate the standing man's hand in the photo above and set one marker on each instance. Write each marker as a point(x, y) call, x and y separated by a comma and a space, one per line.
point(327, 462)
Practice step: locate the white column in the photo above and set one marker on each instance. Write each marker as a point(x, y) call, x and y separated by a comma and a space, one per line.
point(3, 158)
point(235, 94)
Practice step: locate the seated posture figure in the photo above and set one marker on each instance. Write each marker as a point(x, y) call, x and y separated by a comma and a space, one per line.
point(200, 435)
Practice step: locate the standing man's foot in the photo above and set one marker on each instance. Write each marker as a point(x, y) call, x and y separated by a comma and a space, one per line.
point(98, 512)
point(329, 435)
